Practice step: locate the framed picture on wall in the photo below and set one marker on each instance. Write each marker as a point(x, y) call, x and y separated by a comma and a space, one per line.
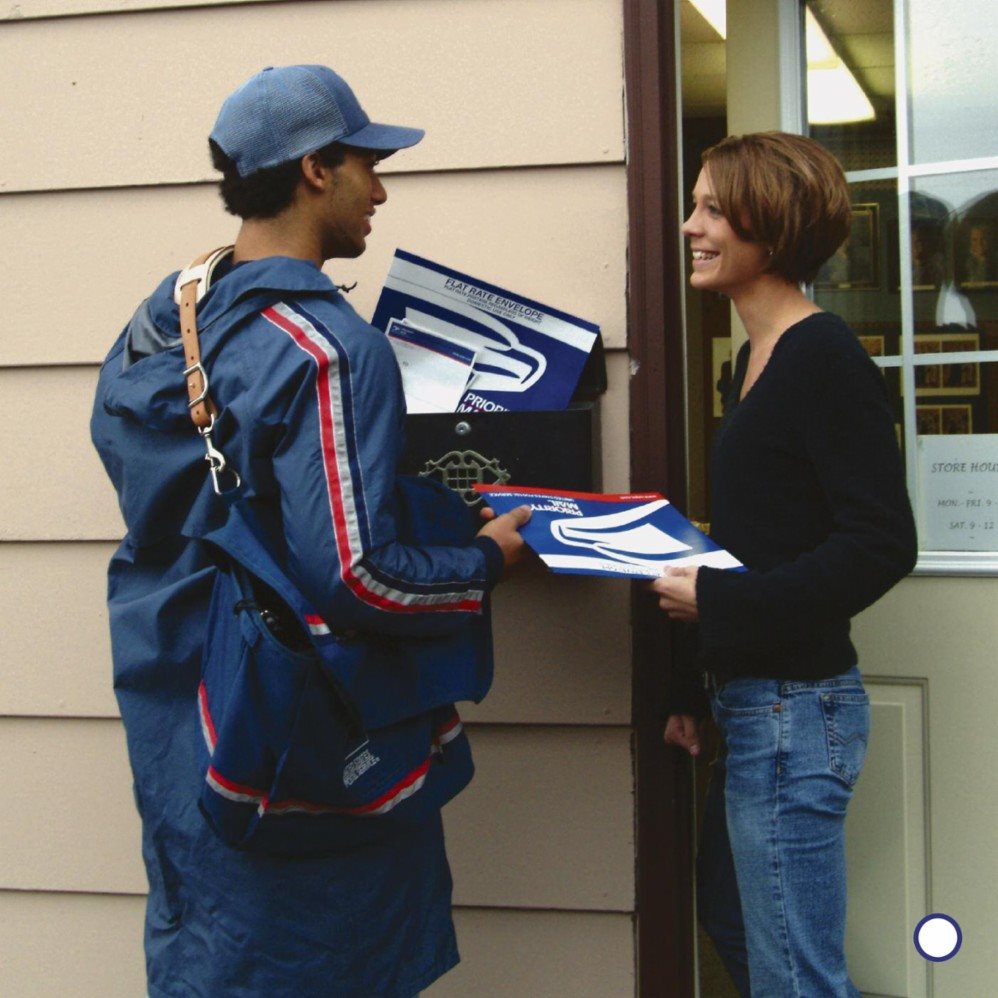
point(855, 266)
point(942, 378)
point(927, 244)
point(948, 419)
point(977, 255)
point(873, 345)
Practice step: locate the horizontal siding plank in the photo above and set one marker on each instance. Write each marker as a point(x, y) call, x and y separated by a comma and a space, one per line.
point(90, 946)
point(130, 99)
point(27, 9)
point(547, 823)
point(69, 822)
point(79, 945)
point(54, 641)
point(57, 659)
point(556, 235)
point(615, 425)
point(53, 486)
point(514, 954)
point(569, 663)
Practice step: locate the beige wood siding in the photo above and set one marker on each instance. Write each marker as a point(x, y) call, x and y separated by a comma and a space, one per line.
point(77, 945)
point(54, 642)
point(69, 823)
point(136, 94)
point(105, 187)
point(83, 945)
point(556, 234)
point(515, 954)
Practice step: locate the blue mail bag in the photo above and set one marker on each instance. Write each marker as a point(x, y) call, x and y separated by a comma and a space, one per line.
point(290, 766)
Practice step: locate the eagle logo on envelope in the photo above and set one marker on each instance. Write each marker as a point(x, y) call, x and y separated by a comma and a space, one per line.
point(581, 533)
point(629, 536)
point(521, 355)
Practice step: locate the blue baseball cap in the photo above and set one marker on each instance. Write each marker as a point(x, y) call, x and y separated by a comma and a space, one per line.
point(287, 112)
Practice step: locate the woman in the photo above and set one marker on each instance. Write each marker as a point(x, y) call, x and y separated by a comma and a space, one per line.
point(808, 491)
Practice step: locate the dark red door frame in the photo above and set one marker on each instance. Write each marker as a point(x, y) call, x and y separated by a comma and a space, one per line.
point(655, 331)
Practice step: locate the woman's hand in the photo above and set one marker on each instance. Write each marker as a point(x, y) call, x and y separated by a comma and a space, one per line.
point(677, 593)
point(683, 731)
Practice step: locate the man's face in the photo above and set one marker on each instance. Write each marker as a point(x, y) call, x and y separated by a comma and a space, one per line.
point(351, 200)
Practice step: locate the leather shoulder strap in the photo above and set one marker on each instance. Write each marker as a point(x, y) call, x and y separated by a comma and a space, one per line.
point(191, 286)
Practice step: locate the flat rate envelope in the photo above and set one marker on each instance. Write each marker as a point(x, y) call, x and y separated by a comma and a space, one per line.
point(527, 356)
point(584, 533)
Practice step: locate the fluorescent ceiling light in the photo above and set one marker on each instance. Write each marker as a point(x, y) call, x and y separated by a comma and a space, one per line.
point(714, 12)
point(833, 94)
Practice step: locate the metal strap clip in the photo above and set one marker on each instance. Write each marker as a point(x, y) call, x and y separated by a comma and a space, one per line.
point(216, 461)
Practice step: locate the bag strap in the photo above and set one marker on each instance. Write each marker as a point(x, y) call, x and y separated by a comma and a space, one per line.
point(191, 286)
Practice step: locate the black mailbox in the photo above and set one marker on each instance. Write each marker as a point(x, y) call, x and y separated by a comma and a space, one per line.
point(551, 449)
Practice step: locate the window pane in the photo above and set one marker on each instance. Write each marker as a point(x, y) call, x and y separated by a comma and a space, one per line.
point(957, 455)
point(954, 250)
point(860, 283)
point(850, 47)
point(952, 80)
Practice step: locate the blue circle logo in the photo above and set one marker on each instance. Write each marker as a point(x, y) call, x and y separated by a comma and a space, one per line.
point(938, 937)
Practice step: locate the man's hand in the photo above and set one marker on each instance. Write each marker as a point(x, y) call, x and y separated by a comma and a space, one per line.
point(677, 593)
point(505, 531)
point(684, 731)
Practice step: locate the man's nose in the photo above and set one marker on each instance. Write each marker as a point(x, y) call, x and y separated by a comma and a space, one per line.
point(378, 193)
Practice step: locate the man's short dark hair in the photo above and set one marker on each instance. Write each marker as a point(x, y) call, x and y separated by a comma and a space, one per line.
point(267, 192)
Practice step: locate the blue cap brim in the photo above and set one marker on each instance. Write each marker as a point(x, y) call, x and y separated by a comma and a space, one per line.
point(384, 138)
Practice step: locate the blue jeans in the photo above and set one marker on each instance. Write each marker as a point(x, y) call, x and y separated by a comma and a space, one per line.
point(771, 869)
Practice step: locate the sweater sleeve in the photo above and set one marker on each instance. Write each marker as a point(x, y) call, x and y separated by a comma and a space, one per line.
point(685, 693)
point(850, 441)
point(335, 469)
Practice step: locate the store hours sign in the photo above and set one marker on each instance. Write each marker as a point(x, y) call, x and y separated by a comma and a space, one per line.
point(958, 488)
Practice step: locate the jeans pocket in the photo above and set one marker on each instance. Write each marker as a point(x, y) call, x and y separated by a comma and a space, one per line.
point(747, 695)
point(847, 729)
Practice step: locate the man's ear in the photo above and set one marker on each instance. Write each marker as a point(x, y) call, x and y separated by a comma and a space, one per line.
point(315, 174)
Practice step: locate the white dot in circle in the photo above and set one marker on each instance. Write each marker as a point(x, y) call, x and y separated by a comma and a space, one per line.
point(938, 937)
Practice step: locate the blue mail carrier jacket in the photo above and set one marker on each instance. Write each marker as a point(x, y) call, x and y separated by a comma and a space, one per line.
point(311, 416)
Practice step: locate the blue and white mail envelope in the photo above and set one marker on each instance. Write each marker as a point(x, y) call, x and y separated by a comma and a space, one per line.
point(435, 369)
point(583, 533)
point(527, 356)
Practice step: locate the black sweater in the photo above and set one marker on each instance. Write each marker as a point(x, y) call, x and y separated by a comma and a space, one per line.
point(808, 492)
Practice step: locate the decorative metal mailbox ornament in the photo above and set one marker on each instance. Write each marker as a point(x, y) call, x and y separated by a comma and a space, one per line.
point(461, 470)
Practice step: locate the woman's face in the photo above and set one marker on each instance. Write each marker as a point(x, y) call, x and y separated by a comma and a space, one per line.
point(722, 260)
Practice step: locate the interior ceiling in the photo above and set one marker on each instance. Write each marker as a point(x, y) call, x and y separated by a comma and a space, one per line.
point(861, 32)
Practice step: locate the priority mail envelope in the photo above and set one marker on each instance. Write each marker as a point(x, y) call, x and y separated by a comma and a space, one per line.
point(583, 533)
point(527, 356)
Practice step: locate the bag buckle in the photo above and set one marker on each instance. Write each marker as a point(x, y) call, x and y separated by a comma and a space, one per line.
point(197, 368)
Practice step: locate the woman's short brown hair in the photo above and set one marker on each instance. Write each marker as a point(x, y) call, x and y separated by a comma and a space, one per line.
point(784, 191)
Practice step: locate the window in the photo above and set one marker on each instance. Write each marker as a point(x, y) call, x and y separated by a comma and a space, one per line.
point(918, 277)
